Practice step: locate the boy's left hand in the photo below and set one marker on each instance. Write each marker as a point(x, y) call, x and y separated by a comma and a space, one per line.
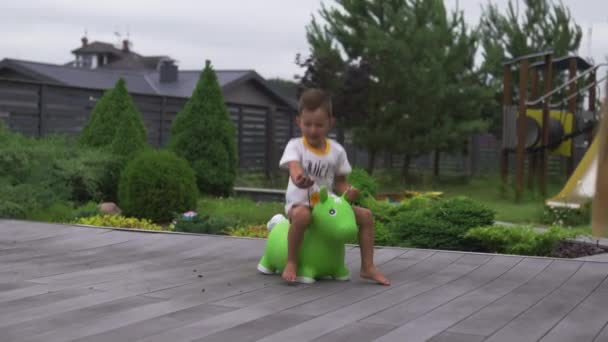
point(351, 194)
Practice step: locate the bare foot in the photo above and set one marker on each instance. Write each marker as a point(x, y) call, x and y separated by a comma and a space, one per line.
point(289, 273)
point(372, 273)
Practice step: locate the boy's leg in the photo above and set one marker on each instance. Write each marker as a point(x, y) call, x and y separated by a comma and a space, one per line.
point(365, 221)
point(299, 218)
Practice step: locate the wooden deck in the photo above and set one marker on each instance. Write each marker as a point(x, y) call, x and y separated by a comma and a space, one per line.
point(65, 283)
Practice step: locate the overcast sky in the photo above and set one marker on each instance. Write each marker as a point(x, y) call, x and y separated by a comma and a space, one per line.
point(264, 35)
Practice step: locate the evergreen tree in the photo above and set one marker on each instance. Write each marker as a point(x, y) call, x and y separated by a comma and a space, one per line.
point(402, 73)
point(203, 134)
point(114, 108)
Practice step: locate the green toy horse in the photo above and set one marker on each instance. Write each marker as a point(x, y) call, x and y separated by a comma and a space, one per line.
point(321, 254)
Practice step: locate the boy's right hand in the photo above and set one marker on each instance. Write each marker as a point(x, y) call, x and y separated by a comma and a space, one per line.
point(302, 181)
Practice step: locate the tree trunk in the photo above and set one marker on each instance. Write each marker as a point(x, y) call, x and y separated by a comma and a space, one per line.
point(436, 160)
point(371, 161)
point(599, 217)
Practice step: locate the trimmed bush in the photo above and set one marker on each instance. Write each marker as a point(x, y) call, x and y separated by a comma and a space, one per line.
point(361, 180)
point(203, 134)
point(116, 221)
point(155, 185)
point(569, 217)
point(438, 224)
point(464, 212)
point(258, 231)
point(204, 224)
point(520, 240)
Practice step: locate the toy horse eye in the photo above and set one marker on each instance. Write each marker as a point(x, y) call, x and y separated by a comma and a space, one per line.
point(332, 212)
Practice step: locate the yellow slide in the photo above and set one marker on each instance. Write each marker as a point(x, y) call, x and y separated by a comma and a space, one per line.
point(580, 188)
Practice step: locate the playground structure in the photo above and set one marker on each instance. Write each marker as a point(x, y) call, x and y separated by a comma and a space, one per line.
point(535, 127)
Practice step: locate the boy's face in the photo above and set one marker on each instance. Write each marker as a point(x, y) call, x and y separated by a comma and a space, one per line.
point(314, 125)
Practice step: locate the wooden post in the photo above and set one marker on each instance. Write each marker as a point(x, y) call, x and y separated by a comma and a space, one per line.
point(270, 160)
point(599, 216)
point(592, 99)
point(161, 122)
point(544, 153)
point(42, 114)
point(532, 158)
point(572, 109)
point(239, 140)
point(521, 127)
point(507, 100)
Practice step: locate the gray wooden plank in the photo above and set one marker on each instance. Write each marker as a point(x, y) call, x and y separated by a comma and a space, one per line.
point(419, 305)
point(603, 335)
point(539, 319)
point(148, 327)
point(410, 271)
point(23, 329)
point(496, 315)
point(586, 321)
point(256, 329)
point(363, 307)
point(235, 318)
point(356, 332)
point(14, 307)
point(456, 337)
point(436, 321)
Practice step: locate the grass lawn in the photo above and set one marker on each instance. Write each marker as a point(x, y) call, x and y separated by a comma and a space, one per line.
point(484, 189)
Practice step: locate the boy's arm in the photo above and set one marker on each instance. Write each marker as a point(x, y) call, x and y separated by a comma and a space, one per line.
point(341, 186)
point(296, 173)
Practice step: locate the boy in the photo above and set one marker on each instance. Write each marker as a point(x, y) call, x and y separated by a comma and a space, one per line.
point(314, 160)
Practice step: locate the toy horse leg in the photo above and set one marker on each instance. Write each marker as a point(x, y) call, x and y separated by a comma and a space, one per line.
point(343, 274)
point(264, 267)
point(306, 275)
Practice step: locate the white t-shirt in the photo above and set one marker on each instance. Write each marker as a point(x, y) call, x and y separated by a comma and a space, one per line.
point(321, 166)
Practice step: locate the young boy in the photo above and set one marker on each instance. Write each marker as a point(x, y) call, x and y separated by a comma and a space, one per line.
point(313, 161)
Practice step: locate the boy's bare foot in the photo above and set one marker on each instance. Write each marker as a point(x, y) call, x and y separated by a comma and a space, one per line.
point(289, 273)
point(372, 273)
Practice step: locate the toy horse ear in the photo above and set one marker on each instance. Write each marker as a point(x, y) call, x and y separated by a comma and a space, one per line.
point(323, 194)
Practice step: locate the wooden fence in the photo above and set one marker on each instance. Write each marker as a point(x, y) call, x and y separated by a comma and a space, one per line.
point(39, 109)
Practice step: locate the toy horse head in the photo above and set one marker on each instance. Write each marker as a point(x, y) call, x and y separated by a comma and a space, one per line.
point(333, 217)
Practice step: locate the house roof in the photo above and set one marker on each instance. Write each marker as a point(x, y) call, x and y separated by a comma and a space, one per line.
point(98, 47)
point(143, 81)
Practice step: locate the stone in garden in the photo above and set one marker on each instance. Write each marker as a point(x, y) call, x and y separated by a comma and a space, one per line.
point(109, 208)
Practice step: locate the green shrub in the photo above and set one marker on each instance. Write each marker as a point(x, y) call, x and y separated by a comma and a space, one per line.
point(204, 224)
point(117, 221)
point(420, 229)
point(155, 185)
point(361, 180)
point(382, 235)
point(464, 212)
point(57, 212)
point(258, 231)
point(438, 224)
point(520, 240)
point(243, 210)
point(569, 217)
point(87, 210)
point(203, 134)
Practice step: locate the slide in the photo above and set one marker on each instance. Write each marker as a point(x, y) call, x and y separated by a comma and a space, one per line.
point(580, 188)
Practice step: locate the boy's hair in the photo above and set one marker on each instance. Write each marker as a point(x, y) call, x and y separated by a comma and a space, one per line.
point(313, 99)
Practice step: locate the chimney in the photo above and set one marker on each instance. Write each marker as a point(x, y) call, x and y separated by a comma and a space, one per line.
point(125, 45)
point(84, 41)
point(168, 71)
